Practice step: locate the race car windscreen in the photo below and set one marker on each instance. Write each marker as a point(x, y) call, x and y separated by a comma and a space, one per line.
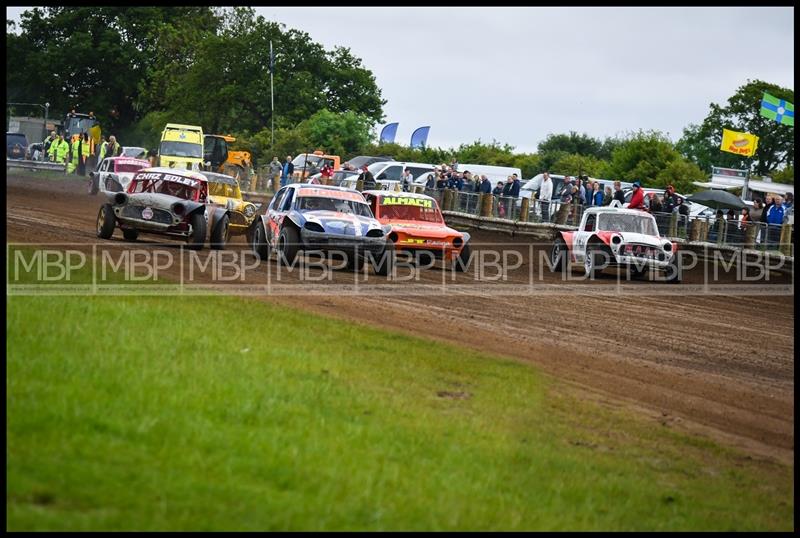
point(129, 167)
point(618, 222)
point(159, 186)
point(221, 189)
point(418, 209)
point(180, 149)
point(318, 203)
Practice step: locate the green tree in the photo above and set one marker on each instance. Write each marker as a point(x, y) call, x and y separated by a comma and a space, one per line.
point(679, 173)
point(572, 143)
point(574, 165)
point(338, 134)
point(701, 143)
point(641, 156)
point(785, 175)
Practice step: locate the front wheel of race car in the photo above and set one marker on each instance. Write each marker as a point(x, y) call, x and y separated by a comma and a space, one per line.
point(129, 234)
point(106, 222)
point(557, 254)
point(288, 245)
point(259, 241)
point(462, 261)
point(592, 263)
point(219, 236)
point(198, 236)
point(384, 266)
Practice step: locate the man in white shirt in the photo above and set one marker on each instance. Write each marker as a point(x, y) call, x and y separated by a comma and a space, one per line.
point(406, 180)
point(545, 194)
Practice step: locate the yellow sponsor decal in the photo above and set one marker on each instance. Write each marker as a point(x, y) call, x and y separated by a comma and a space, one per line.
point(406, 200)
point(415, 241)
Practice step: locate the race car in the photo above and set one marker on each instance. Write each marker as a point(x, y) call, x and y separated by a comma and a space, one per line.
point(416, 225)
point(321, 218)
point(165, 201)
point(114, 174)
point(614, 237)
point(224, 191)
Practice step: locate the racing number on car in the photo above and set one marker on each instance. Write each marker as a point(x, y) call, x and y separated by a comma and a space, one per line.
point(579, 244)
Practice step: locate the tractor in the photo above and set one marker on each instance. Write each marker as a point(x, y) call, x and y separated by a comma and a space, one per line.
point(219, 158)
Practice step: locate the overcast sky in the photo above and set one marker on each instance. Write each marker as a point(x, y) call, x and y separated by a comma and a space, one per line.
point(517, 74)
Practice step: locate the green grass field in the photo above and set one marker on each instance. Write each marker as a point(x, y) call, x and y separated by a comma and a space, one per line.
point(212, 413)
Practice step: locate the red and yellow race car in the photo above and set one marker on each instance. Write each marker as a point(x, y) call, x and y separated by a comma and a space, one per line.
point(415, 225)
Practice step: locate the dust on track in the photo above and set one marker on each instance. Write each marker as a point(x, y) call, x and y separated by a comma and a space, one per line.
point(720, 366)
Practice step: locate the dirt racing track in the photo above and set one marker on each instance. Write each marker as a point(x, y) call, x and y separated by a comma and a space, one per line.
point(720, 366)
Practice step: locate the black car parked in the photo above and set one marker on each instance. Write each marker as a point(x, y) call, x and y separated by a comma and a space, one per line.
point(16, 144)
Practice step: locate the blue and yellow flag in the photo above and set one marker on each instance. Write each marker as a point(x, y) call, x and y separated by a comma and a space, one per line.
point(776, 109)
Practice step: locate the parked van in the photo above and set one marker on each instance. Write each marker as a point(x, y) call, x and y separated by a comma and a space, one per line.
point(181, 147)
point(387, 174)
point(493, 173)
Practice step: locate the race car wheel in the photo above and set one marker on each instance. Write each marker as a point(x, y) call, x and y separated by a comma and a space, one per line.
point(288, 245)
point(384, 266)
point(259, 241)
point(198, 236)
point(355, 261)
point(593, 261)
point(130, 235)
point(460, 264)
point(557, 254)
point(106, 222)
point(638, 274)
point(674, 271)
point(219, 236)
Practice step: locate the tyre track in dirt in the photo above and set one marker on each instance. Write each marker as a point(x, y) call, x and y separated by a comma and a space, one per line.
point(722, 366)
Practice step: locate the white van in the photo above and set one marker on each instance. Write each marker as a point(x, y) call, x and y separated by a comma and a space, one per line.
point(493, 173)
point(387, 174)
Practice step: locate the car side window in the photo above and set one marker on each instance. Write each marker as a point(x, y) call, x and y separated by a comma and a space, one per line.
point(276, 202)
point(287, 203)
point(589, 226)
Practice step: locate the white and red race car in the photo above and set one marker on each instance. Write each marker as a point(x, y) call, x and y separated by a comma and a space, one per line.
point(615, 237)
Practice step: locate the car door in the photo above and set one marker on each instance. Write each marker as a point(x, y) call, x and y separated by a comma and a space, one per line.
point(103, 174)
point(582, 236)
point(273, 215)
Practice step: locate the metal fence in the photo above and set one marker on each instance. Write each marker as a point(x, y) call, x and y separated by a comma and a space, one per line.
point(24, 164)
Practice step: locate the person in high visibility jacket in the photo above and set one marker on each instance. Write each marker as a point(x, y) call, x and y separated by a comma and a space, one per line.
point(74, 154)
point(103, 150)
point(59, 150)
point(85, 151)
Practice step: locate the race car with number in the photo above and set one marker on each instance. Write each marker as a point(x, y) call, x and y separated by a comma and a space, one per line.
point(224, 191)
point(321, 218)
point(165, 201)
point(613, 237)
point(415, 225)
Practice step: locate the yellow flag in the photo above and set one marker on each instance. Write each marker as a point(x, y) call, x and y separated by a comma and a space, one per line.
point(739, 143)
point(95, 132)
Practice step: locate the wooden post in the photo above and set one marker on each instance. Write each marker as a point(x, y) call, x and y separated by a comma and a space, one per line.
point(672, 230)
point(447, 200)
point(486, 204)
point(750, 235)
point(721, 230)
point(276, 183)
point(562, 214)
point(523, 211)
point(786, 236)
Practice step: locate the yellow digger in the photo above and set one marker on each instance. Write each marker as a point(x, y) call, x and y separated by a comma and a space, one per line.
point(218, 158)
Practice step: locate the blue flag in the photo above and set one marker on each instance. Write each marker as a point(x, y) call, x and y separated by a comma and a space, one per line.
point(420, 137)
point(271, 60)
point(388, 133)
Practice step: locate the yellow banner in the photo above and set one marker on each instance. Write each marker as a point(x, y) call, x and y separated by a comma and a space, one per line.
point(739, 143)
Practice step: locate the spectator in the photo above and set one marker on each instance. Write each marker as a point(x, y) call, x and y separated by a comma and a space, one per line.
point(655, 204)
point(441, 181)
point(637, 200)
point(670, 199)
point(775, 212)
point(431, 182)
point(545, 195)
point(597, 195)
point(789, 201)
point(607, 197)
point(368, 178)
point(326, 173)
point(508, 185)
point(618, 194)
point(406, 180)
point(152, 157)
point(455, 181)
point(515, 186)
point(114, 149)
point(287, 171)
point(755, 213)
point(275, 169)
point(566, 193)
point(498, 190)
point(485, 186)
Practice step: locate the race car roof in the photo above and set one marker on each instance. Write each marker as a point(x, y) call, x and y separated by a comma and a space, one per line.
point(174, 172)
point(325, 191)
point(214, 177)
point(129, 160)
point(398, 194)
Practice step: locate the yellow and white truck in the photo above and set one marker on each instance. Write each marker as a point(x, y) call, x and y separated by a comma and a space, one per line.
point(181, 147)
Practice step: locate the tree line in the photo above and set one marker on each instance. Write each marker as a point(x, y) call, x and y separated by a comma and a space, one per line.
point(139, 68)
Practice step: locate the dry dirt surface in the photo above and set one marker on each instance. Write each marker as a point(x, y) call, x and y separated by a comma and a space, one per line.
point(716, 365)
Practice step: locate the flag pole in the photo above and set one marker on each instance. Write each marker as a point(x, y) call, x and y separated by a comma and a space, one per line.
point(272, 91)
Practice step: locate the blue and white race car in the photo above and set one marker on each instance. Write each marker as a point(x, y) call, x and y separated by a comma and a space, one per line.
point(321, 218)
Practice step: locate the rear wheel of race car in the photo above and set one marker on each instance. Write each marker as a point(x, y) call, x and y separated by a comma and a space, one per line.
point(384, 265)
point(461, 262)
point(288, 245)
point(106, 222)
point(259, 242)
point(198, 236)
point(557, 254)
point(355, 261)
point(219, 236)
point(129, 234)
